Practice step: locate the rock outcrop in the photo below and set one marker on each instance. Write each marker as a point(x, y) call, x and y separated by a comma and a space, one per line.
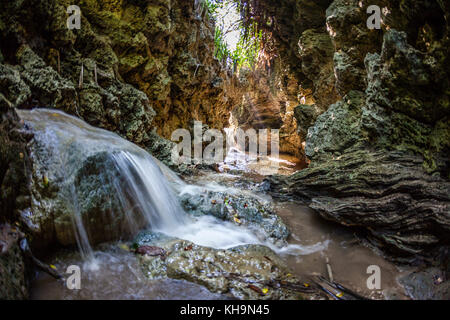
point(15, 175)
point(405, 210)
point(264, 105)
point(250, 272)
point(141, 69)
point(379, 143)
point(238, 209)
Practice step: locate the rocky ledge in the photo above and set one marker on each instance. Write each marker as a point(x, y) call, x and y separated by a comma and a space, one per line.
point(245, 272)
point(405, 210)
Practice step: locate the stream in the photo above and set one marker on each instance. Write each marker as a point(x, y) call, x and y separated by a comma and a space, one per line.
point(148, 195)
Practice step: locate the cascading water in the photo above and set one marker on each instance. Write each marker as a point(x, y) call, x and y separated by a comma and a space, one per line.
point(142, 186)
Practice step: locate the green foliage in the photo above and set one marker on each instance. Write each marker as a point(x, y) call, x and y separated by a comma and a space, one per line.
point(247, 50)
point(221, 52)
point(250, 40)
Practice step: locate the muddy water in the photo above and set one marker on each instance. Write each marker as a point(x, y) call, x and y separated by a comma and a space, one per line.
point(115, 275)
point(348, 258)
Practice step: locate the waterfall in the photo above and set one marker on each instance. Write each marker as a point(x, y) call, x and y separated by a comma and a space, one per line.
point(143, 186)
point(138, 187)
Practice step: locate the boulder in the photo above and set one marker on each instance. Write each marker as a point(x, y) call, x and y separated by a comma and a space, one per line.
point(250, 272)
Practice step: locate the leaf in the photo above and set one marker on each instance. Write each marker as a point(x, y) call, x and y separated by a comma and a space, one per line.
point(265, 291)
point(124, 247)
point(340, 295)
point(306, 285)
point(53, 267)
point(45, 181)
point(236, 219)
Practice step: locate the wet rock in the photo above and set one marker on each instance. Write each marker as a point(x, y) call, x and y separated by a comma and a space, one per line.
point(429, 284)
point(238, 209)
point(151, 251)
point(78, 186)
point(404, 209)
point(245, 272)
point(13, 279)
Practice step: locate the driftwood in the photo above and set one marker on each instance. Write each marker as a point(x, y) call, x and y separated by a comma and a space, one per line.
point(80, 82)
point(330, 272)
point(273, 283)
point(336, 290)
point(39, 264)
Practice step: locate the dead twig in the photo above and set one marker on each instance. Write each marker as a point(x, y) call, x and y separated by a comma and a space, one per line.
point(95, 74)
point(40, 265)
point(330, 272)
point(80, 83)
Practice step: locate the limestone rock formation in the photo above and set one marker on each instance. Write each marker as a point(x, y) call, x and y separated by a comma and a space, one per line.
point(405, 210)
point(379, 151)
point(239, 209)
point(134, 67)
point(15, 170)
point(249, 272)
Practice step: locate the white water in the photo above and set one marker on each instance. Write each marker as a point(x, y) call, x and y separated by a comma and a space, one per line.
point(147, 188)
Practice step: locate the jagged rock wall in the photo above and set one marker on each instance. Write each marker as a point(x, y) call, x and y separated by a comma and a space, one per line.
point(145, 65)
point(264, 105)
point(15, 170)
point(296, 70)
point(379, 141)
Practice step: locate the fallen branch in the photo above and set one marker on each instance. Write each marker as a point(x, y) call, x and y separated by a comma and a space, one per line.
point(275, 283)
point(39, 264)
point(80, 82)
point(336, 290)
point(95, 74)
point(330, 272)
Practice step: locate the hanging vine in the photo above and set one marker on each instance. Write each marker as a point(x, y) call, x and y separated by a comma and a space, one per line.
point(251, 36)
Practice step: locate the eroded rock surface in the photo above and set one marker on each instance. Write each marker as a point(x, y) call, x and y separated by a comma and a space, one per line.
point(379, 152)
point(239, 209)
point(15, 176)
point(247, 272)
point(140, 69)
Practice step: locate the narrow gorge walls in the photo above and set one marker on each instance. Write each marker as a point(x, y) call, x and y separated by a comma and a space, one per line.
point(133, 67)
point(374, 116)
